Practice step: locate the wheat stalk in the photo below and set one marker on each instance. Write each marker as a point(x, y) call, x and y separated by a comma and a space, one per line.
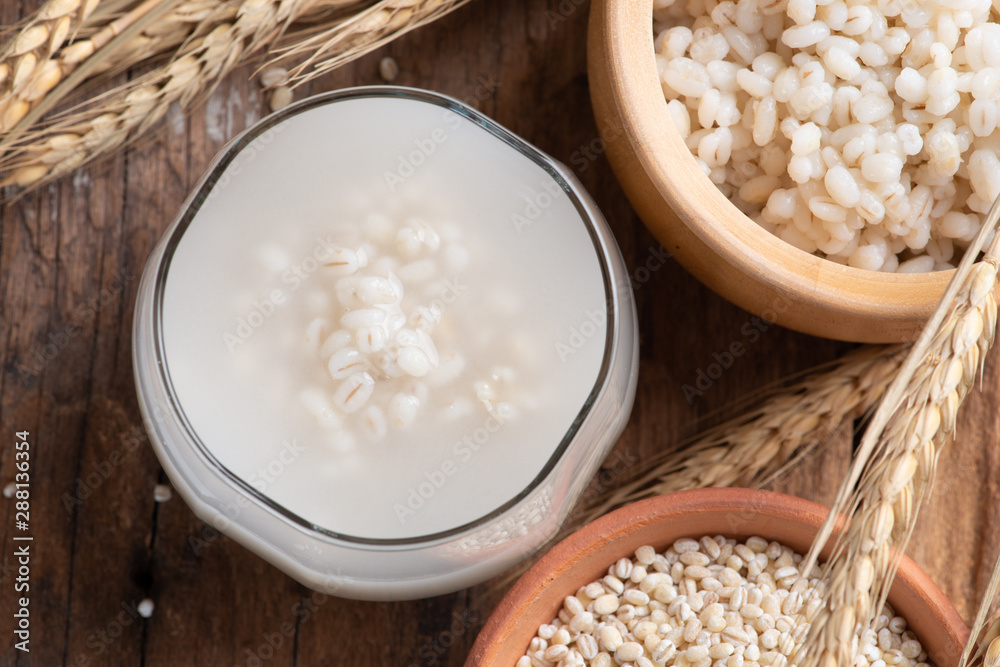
point(129, 110)
point(219, 41)
point(60, 75)
point(988, 654)
point(130, 34)
point(983, 646)
point(784, 427)
point(752, 448)
point(26, 68)
point(327, 49)
point(188, 19)
point(895, 463)
point(194, 18)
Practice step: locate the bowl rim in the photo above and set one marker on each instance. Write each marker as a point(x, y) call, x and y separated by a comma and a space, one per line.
point(911, 585)
point(670, 166)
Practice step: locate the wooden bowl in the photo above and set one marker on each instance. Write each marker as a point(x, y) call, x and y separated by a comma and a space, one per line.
point(716, 242)
point(586, 554)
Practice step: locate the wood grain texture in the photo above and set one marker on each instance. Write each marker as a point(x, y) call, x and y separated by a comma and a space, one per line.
point(70, 257)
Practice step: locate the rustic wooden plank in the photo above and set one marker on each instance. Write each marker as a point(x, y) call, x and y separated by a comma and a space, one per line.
point(114, 509)
point(520, 62)
point(29, 248)
point(63, 239)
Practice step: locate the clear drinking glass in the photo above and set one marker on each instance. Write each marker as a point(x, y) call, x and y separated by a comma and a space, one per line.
point(384, 569)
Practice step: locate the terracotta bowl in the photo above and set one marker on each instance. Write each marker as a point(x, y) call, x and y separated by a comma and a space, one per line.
point(717, 243)
point(586, 554)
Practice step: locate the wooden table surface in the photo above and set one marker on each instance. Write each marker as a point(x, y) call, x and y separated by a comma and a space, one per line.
point(70, 258)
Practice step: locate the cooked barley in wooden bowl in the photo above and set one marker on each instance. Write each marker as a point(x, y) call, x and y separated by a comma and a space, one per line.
point(695, 577)
point(820, 163)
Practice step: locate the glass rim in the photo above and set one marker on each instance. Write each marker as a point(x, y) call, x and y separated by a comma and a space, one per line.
point(581, 201)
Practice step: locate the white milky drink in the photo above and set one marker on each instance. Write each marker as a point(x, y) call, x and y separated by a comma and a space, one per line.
point(390, 339)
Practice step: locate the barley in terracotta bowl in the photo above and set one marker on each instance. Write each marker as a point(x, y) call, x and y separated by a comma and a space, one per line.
point(592, 599)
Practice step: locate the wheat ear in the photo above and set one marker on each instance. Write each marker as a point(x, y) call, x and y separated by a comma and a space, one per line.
point(751, 448)
point(128, 111)
point(72, 66)
point(328, 48)
point(127, 34)
point(895, 463)
point(190, 18)
point(195, 18)
point(26, 69)
point(124, 113)
point(983, 646)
